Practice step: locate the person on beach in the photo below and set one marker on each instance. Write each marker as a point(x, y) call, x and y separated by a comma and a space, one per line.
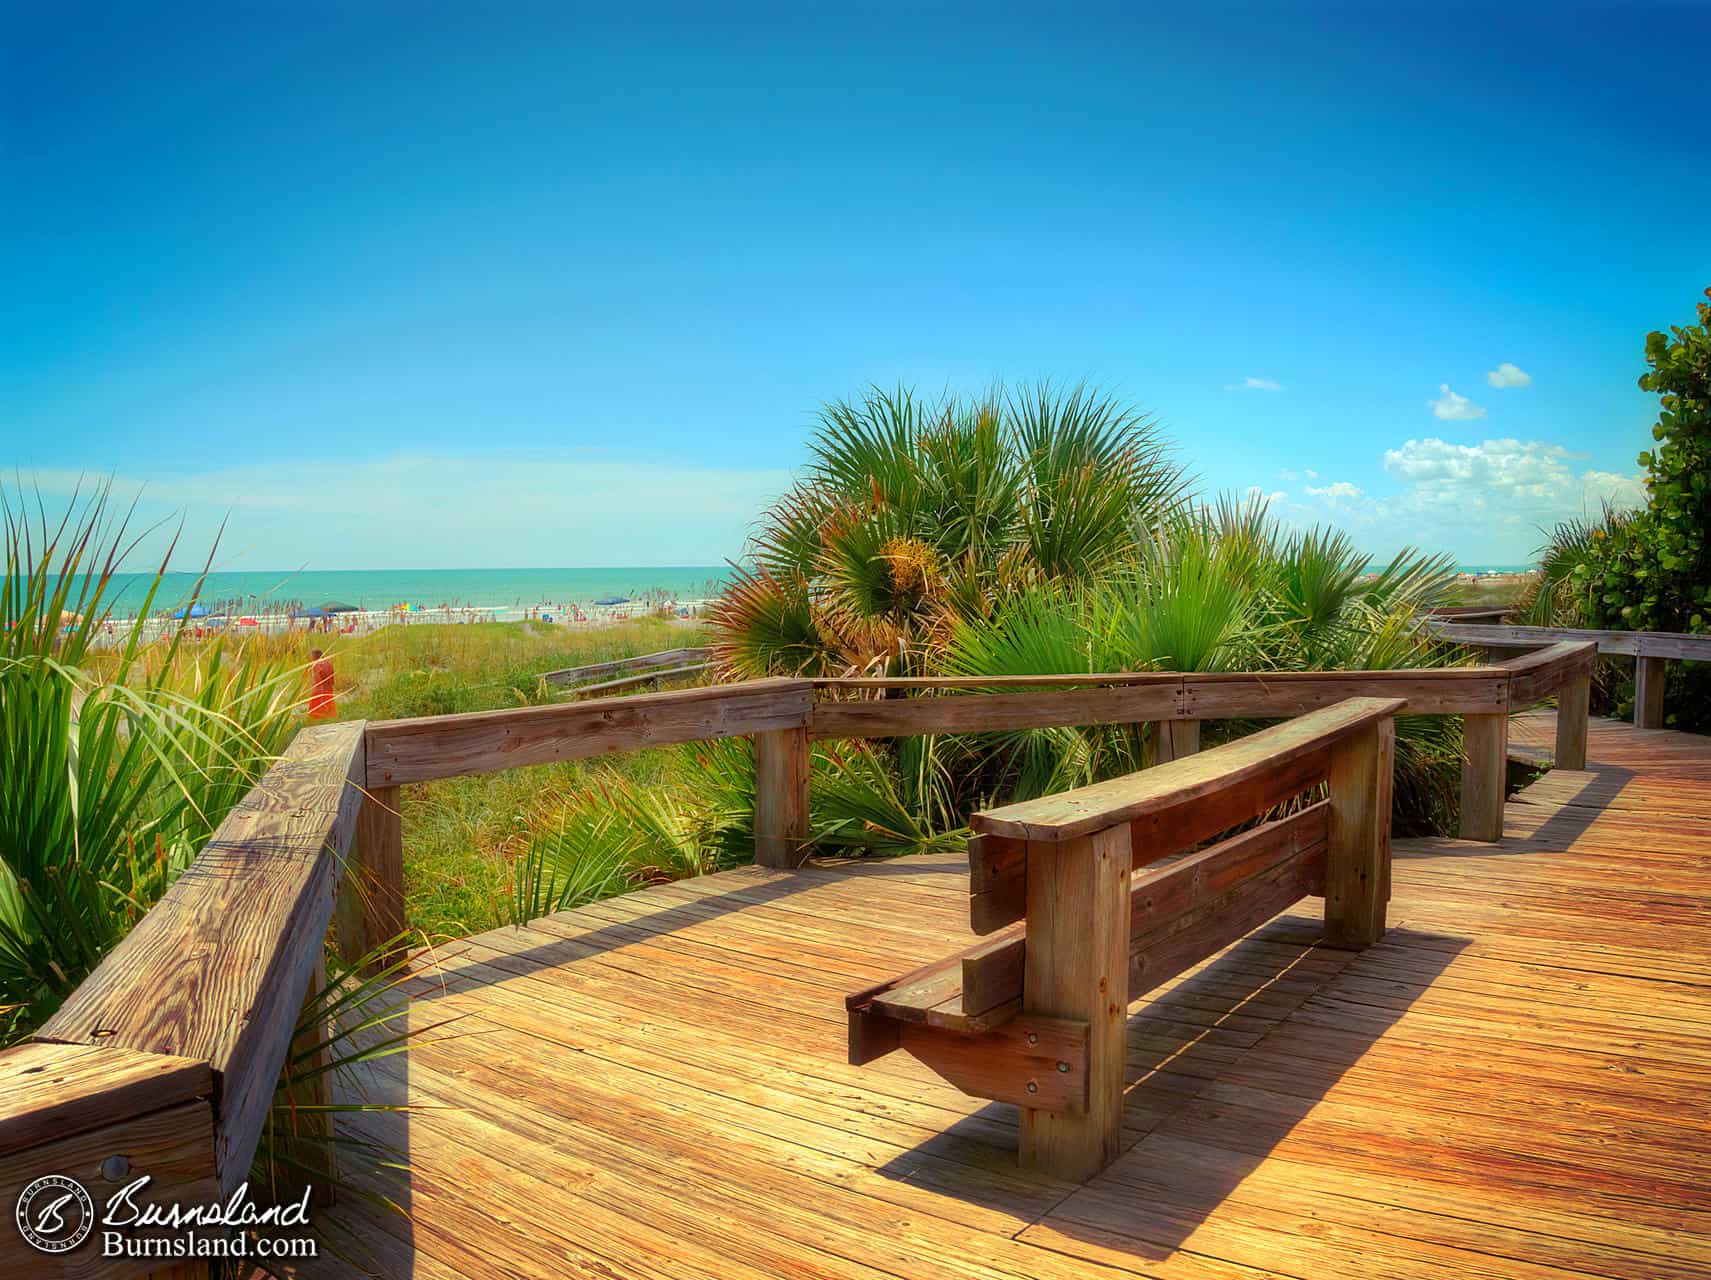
point(320, 686)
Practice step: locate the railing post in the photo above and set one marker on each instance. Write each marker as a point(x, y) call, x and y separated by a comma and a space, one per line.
point(1076, 965)
point(781, 797)
point(308, 1140)
point(1173, 739)
point(371, 896)
point(1357, 851)
point(1649, 676)
point(1574, 704)
point(1484, 771)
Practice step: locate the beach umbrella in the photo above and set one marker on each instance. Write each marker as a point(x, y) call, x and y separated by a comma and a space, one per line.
point(338, 606)
point(247, 621)
point(614, 600)
point(194, 611)
point(310, 613)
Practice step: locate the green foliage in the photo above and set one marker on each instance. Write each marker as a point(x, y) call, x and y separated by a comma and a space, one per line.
point(1225, 588)
point(116, 767)
point(916, 512)
point(1649, 570)
point(1652, 572)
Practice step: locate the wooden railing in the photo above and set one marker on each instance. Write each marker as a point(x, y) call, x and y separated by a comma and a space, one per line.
point(1650, 650)
point(165, 1061)
point(647, 664)
point(182, 1031)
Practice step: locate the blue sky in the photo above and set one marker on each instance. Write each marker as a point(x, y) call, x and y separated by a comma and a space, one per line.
point(459, 285)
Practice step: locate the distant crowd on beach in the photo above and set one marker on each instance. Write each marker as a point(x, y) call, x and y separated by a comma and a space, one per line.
point(205, 619)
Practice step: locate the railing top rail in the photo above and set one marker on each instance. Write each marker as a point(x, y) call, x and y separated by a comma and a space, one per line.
point(1640, 644)
point(642, 662)
point(1070, 814)
point(1564, 653)
point(429, 747)
point(1448, 675)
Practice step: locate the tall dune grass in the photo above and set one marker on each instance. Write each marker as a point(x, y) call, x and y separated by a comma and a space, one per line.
point(114, 769)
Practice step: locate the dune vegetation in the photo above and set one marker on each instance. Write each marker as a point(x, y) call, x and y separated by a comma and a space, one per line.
point(1039, 531)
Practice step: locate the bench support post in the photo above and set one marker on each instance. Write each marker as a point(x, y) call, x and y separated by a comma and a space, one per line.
point(1648, 692)
point(1357, 851)
point(371, 895)
point(1484, 771)
point(1077, 967)
point(781, 797)
point(1574, 702)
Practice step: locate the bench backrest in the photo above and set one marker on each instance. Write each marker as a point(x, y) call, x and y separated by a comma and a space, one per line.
point(1199, 903)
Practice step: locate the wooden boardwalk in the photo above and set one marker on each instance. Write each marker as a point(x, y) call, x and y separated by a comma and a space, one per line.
point(1515, 1083)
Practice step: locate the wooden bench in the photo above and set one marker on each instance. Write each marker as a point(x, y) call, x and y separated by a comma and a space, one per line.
point(1035, 1015)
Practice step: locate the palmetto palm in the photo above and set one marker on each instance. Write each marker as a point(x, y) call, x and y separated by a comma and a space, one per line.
point(914, 513)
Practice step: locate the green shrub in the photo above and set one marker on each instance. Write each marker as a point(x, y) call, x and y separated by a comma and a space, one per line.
point(1651, 571)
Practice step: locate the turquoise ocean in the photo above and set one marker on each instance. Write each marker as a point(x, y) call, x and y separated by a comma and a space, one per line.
point(495, 589)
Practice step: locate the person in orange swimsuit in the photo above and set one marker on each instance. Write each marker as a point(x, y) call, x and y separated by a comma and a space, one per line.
point(320, 686)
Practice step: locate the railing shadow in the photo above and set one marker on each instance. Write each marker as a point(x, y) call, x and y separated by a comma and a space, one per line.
point(1233, 1020)
point(670, 919)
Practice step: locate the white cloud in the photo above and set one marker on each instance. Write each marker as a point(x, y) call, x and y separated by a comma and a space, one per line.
point(1251, 383)
point(1508, 375)
point(1335, 493)
point(1454, 407)
point(449, 511)
point(1483, 503)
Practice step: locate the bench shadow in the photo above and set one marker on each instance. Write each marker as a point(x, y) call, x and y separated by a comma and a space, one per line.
point(1220, 1024)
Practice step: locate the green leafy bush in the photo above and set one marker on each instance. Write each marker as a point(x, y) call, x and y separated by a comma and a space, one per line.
point(1652, 571)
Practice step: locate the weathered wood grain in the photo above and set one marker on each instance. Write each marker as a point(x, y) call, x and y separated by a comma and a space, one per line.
point(1538, 675)
point(1028, 1062)
point(995, 712)
point(653, 677)
point(1485, 767)
point(1357, 851)
point(370, 909)
point(1173, 739)
point(997, 882)
point(1167, 946)
point(1574, 706)
point(781, 826)
point(1077, 968)
point(1651, 677)
point(430, 747)
point(52, 1091)
point(174, 1147)
point(1651, 644)
point(217, 970)
point(1207, 888)
point(1438, 691)
point(1118, 679)
point(1072, 814)
point(641, 662)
